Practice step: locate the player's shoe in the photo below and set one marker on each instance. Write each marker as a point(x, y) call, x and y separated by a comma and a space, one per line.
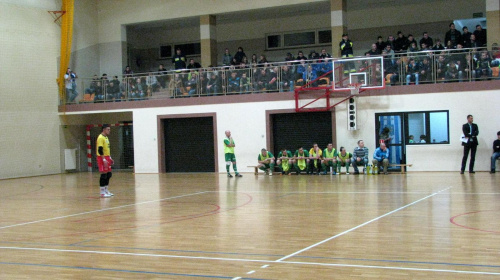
point(271, 173)
point(266, 171)
point(110, 193)
point(229, 175)
point(238, 175)
point(346, 173)
point(105, 195)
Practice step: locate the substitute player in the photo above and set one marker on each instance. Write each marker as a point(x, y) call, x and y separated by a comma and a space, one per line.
point(229, 155)
point(266, 162)
point(104, 160)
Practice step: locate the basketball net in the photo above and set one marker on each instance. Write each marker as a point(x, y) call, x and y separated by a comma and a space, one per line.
point(354, 88)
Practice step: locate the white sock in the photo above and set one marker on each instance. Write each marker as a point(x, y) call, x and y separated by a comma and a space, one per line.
point(103, 190)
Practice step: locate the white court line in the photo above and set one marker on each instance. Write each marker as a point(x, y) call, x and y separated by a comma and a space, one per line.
point(361, 225)
point(253, 261)
point(97, 211)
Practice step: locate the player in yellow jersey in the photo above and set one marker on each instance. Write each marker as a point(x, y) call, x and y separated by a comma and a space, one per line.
point(104, 160)
point(229, 155)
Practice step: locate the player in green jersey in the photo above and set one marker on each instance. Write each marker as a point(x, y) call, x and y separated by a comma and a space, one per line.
point(285, 161)
point(329, 159)
point(301, 159)
point(344, 160)
point(266, 162)
point(229, 154)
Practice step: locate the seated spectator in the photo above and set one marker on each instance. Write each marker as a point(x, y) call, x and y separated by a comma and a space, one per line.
point(452, 72)
point(425, 71)
point(254, 60)
point(380, 44)
point(329, 160)
point(440, 67)
point(468, 67)
point(438, 46)
point(310, 75)
point(422, 139)
point(424, 47)
point(114, 89)
point(411, 140)
point(233, 83)
point(234, 62)
point(139, 89)
point(213, 84)
point(262, 80)
point(473, 43)
point(289, 57)
point(324, 55)
point(245, 83)
point(496, 153)
point(152, 82)
point(483, 66)
point(313, 55)
point(301, 69)
point(412, 71)
point(381, 159)
point(202, 82)
point(98, 90)
point(227, 58)
point(393, 70)
point(374, 51)
point(286, 79)
point(193, 65)
point(480, 34)
point(360, 157)
point(240, 54)
point(323, 68)
point(427, 40)
point(177, 84)
point(413, 47)
point(390, 52)
point(262, 60)
point(452, 36)
point(300, 56)
point(192, 84)
point(465, 37)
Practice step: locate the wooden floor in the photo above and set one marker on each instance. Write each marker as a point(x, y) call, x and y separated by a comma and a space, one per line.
point(438, 225)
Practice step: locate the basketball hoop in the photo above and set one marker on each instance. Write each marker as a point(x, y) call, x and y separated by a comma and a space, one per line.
point(354, 88)
point(57, 15)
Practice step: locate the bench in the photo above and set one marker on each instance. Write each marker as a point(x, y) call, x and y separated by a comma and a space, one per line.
point(402, 166)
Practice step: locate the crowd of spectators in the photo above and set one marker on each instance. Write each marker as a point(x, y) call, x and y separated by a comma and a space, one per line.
point(406, 61)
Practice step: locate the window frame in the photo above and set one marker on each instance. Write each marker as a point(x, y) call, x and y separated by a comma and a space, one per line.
point(282, 39)
point(427, 127)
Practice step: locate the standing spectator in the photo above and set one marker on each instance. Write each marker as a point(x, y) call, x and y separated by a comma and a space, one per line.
point(262, 60)
point(313, 55)
point(347, 52)
point(413, 47)
point(427, 40)
point(496, 153)
point(385, 136)
point(470, 132)
point(227, 58)
point(240, 54)
point(438, 46)
point(70, 85)
point(128, 71)
point(380, 44)
point(466, 37)
point(390, 52)
point(390, 42)
point(412, 40)
point(473, 43)
point(401, 43)
point(162, 78)
point(254, 61)
point(452, 36)
point(480, 35)
point(193, 64)
point(179, 60)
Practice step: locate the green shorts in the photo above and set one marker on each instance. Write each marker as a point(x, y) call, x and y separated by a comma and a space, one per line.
point(230, 157)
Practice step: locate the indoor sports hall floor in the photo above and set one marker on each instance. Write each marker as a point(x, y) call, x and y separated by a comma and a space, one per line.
point(433, 225)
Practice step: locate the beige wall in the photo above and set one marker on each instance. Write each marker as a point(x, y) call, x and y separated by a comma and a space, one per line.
point(29, 121)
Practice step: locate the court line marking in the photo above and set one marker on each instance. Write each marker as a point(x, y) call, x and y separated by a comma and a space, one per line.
point(254, 261)
point(97, 211)
point(361, 225)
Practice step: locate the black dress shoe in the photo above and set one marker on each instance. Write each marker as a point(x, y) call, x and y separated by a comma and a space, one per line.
point(472, 172)
point(492, 172)
point(461, 172)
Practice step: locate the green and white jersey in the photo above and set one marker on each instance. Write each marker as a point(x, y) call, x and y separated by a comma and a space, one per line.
point(227, 149)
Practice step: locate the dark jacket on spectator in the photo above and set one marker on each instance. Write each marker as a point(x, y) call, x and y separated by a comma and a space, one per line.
point(454, 36)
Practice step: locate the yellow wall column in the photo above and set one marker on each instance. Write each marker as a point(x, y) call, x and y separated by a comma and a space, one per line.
point(338, 23)
point(493, 22)
point(208, 40)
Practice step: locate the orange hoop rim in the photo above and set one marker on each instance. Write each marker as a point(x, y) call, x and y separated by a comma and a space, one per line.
point(354, 85)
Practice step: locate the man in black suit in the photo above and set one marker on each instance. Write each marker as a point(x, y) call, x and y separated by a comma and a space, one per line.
point(470, 131)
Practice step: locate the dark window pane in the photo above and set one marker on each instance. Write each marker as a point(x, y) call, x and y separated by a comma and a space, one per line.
point(273, 41)
point(166, 51)
point(299, 39)
point(324, 36)
point(190, 49)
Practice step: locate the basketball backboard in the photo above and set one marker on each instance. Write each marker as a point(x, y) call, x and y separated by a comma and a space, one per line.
point(368, 71)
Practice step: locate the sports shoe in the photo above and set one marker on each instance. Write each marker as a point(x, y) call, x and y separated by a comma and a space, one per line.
point(347, 173)
point(270, 173)
point(356, 172)
point(385, 172)
point(266, 171)
point(229, 175)
point(108, 192)
point(105, 195)
point(323, 173)
point(334, 173)
point(238, 175)
point(492, 172)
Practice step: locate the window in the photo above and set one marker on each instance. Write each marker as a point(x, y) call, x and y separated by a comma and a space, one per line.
point(166, 51)
point(427, 127)
point(189, 49)
point(298, 38)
